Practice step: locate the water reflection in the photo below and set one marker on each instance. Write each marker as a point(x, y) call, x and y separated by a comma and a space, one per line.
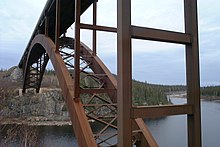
point(172, 131)
point(168, 131)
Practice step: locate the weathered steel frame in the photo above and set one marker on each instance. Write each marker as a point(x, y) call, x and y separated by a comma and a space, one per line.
point(57, 26)
point(94, 31)
point(131, 127)
point(77, 51)
point(190, 38)
point(144, 138)
point(33, 72)
point(124, 69)
point(92, 102)
point(192, 74)
point(77, 113)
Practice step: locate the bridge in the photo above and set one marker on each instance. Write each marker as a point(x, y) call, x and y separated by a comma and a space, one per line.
point(122, 123)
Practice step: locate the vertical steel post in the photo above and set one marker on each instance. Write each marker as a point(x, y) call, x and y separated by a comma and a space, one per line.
point(46, 25)
point(77, 51)
point(192, 72)
point(38, 70)
point(94, 24)
point(124, 65)
point(57, 28)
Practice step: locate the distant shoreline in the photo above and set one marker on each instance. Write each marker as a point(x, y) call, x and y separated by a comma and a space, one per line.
point(177, 94)
point(183, 94)
point(36, 122)
point(20, 121)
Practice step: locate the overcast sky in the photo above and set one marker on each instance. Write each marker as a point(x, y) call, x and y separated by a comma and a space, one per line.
point(154, 62)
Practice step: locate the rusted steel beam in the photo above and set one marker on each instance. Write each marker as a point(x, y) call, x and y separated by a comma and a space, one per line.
point(107, 126)
point(160, 111)
point(98, 28)
point(23, 58)
point(105, 134)
point(97, 90)
point(43, 65)
point(103, 122)
point(57, 26)
point(160, 35)
point(46, 25)
point(104, 140)
point(92, 105)
point(93, 111)
point(99, 67)
point(94, 31)
point(192, 74)
point(124, 70)
point(67, 19)
point(101, 76)
point(35, 65)
point(79, 120)
point(77, 51)
point(102, 99)
point(146, 137)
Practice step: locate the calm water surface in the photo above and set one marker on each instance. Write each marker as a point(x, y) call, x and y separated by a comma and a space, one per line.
point(169, 131)
point(172, 131)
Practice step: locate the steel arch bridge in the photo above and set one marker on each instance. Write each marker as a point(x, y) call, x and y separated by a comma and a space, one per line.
point(102, 97)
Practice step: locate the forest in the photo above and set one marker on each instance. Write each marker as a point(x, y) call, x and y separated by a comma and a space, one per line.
point(143, 93)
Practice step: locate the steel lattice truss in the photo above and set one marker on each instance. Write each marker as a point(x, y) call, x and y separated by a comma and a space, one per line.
point(99, 108)
point(97, 90)
point(91, 96)
point(34, 71)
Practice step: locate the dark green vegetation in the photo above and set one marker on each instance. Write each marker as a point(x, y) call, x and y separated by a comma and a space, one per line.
point(147, 94)
point(143, 93)
point(211, 91)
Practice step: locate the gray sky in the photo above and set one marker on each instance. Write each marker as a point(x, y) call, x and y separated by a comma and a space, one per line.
point(154, 62)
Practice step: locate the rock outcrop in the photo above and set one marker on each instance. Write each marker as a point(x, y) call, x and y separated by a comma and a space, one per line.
point(31, 107)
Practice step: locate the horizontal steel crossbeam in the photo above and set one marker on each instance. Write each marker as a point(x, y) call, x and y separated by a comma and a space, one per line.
point(160, 35)
point(160, 111)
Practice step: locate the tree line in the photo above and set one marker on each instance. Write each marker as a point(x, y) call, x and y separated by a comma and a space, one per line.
point(143, 93)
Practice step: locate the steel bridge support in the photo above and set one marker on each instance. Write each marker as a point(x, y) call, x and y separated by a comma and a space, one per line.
point(126, 111)
point(76, 66)
point(192, 73)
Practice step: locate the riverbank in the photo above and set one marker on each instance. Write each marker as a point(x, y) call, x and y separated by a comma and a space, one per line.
point(177, 94)
point(35, 121)
point(183, 94)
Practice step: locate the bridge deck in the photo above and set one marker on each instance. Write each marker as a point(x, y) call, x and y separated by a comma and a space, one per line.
point(125, 119)
point(66, 19)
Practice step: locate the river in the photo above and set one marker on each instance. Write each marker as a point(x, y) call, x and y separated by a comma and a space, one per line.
point(169, 131)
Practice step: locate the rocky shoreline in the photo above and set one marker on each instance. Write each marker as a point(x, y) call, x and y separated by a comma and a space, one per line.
point(34, 122)
point(183, 94)
point(46, 108)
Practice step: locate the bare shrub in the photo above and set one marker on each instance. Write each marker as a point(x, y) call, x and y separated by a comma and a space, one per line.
point(50, 81)
point(21, 135)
